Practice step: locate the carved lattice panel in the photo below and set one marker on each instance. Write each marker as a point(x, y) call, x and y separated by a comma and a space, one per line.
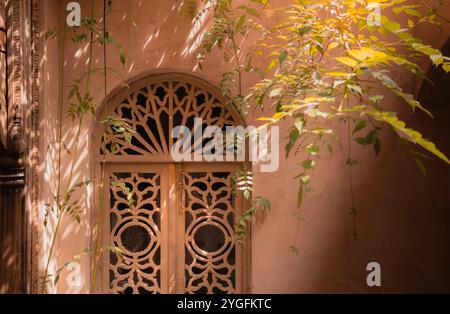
point(174, 240)
point(154, 109)
point(210, 250)
point(135, 228)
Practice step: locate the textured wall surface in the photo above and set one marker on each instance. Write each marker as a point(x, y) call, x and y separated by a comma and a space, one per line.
point(403, 217)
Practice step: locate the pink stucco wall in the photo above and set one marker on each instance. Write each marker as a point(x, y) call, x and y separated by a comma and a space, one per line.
point(403, 217)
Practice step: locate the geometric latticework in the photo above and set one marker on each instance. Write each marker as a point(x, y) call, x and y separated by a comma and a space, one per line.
point(155, 109)
point(135, 230)
point(210, 242)
point(174, 223)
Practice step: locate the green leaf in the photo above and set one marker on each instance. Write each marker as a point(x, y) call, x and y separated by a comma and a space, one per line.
point(253, 11)
point(369, 139)
point(113, 147)
point(308, 164)
point(279, 107)
point(122, 58)
point(312, 149)
point(377, 146)
point(283, 55)
point(241, 22)
point(56, 279)
point(79, 38)
point(304, 30)
point(293, 137)
point(361, 140)
point(359, 126)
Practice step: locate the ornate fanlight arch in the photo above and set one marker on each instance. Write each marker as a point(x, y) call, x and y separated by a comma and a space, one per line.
point(177, 235)
point(153, 106)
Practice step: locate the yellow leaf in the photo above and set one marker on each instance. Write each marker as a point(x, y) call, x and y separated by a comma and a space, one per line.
point(368, 54)
point(338, 74)
point(333, 45)
point(271, 65)
point(348, 61)
point(410, 134)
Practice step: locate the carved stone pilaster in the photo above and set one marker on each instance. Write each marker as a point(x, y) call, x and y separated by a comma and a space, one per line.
point(33, 151)
point(13, 221)
point(19, 158)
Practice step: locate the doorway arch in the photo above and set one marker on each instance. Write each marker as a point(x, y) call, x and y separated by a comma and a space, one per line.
point(173, 222)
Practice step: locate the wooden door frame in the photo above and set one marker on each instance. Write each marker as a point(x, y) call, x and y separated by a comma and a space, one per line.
point(243, 254)
point(105, 233)
point(172, 265)
point(114, 98)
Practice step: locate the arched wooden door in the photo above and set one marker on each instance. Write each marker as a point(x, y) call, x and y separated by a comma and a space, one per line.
point(174, 222)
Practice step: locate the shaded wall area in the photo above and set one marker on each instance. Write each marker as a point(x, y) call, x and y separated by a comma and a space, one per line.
point(403, 217)
point(13, 225)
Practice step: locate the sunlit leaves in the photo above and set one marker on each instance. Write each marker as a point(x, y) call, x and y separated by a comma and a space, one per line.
point(117, 128)
point(125, 189)
point(299, 123)
point(258, 204)
point(342, 58)
point(303, 187)
point(308, 164)
point(313, 149)
point(394, 87)
point(82, 103)
point(350, 62)
point(324, 62)
point(276, 92)
point(271, 65)
point(244, 182)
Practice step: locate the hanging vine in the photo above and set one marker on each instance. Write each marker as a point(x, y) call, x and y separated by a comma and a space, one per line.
point(325, 60)
point(78, 106)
